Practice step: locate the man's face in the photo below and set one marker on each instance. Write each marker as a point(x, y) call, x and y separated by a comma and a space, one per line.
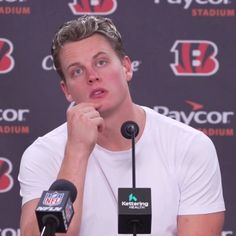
point(94, 73)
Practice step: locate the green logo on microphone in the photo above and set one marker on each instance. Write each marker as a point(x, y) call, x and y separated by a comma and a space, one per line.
point(132, 198)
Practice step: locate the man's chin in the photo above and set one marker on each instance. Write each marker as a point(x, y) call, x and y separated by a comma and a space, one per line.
point(98, 107)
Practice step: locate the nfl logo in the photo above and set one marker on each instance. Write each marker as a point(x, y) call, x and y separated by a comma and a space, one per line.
point(53, 199)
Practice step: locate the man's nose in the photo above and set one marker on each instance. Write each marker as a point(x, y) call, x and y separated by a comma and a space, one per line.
point(93, 76)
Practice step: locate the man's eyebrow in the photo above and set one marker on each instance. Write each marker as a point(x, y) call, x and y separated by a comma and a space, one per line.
point(99, 53)
point(94, 57)
point(73, 64)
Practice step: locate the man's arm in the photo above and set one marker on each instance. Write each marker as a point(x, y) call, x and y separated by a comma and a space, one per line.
point(76, 174)
point(79, 146)
point(200, 225)
point(73, 168)
point(28, 222)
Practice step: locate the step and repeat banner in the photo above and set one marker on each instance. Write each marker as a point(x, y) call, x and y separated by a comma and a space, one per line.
point(183, 55)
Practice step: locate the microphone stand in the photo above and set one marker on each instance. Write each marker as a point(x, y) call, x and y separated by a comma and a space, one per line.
point(130, 130)
point(47, 232)
point(133, 161)
point(132, 218)
point(50, 227)
point(133, 177)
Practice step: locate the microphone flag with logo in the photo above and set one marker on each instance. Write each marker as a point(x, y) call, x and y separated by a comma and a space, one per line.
point(54, 211)
point(134, 204)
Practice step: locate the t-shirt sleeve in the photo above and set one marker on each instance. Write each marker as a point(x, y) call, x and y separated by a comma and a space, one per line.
point(199, 178)
point(38, 169)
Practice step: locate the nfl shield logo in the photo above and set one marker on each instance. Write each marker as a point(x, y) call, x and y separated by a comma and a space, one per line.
point(53, 199)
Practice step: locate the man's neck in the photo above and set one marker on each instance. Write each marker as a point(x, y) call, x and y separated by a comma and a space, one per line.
point(111, 138)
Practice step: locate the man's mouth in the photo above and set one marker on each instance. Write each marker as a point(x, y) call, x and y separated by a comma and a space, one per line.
point(97, 93)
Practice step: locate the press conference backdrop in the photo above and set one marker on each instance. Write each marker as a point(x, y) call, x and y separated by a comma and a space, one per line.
point(183, 58)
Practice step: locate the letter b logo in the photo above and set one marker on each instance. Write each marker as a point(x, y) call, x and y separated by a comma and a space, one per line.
point(195, 58)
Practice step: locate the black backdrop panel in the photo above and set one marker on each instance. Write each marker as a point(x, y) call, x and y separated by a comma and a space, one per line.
point(183, 54)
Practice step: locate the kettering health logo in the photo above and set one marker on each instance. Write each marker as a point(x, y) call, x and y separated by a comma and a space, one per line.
point(133, 203)
point(93, 7)
point(132, 198)
point(194, 58)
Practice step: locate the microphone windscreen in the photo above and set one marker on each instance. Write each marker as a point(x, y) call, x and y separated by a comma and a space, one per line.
point(64, 185)
point(129, 129)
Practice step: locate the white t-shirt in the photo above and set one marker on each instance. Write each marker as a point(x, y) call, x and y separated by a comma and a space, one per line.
point(177, 162)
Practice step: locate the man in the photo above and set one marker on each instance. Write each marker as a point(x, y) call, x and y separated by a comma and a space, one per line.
point(177, 162)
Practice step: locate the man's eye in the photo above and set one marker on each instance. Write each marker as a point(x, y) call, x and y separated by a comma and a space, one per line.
point(101, 63)
point(76, 72)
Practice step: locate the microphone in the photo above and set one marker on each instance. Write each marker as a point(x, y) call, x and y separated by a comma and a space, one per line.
point(129, 129)
point(54, 211)
point(134, 204)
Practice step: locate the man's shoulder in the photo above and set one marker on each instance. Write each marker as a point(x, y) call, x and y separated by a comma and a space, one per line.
point(51, 141)
point(166, 123)
point(58, 132)
point(171, 131)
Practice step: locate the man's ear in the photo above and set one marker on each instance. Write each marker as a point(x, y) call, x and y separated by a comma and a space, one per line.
point(65, 90)
point(128, 67)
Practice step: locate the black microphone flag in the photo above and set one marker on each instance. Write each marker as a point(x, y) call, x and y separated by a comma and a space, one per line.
point(134, 207)
point(54, 211)
point(134, 204)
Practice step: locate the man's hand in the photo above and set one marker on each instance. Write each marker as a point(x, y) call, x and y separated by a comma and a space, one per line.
point(83, 122)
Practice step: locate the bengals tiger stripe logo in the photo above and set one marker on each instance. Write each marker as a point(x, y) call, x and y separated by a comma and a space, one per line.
point(93, 7)
point(7, 62)
point(195, 58)
point(6, 180)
